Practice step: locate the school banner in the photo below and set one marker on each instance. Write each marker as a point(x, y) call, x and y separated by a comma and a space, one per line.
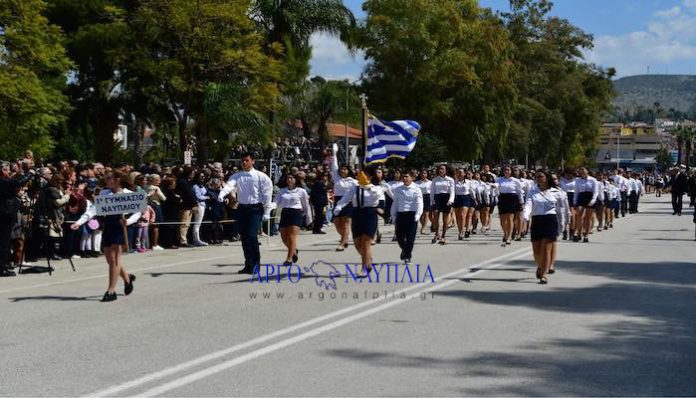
point(121, 203)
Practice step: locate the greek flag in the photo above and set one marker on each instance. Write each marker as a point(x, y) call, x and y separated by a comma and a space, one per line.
point(390, 139)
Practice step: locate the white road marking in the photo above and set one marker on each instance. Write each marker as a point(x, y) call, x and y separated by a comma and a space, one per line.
point(262, 339)
point(201, 374)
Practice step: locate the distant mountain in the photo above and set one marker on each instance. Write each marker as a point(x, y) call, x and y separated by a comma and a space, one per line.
point(677, 92)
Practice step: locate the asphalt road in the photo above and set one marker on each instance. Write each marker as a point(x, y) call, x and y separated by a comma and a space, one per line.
point(618, 318)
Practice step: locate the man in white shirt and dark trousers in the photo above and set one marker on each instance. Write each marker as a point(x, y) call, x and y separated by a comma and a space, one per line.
point(254, 193)
point(406, 211)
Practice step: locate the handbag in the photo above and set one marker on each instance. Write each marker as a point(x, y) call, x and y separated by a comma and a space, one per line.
point(93, 224)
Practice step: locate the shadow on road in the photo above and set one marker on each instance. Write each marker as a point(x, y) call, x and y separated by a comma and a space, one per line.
point(650, 354)
point(55, 298)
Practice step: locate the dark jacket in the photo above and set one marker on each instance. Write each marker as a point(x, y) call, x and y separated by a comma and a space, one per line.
point(317, 195)
point(678, 184)
point(184, 189)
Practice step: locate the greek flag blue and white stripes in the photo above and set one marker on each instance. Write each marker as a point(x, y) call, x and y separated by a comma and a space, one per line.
point(390, 139)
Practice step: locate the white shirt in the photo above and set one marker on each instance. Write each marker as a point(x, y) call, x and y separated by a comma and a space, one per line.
point(342, 186)
point(407, 198)
point(510, 185)
point(462, 187)
point(252, 187)
point(588, 184)
point(91, 210)
point(442, 185)
point(424, 186)
point(567, 185)
point(621, 182)
point(543, 203)
point(295, 199)
point(564, 214)
point(370, 197)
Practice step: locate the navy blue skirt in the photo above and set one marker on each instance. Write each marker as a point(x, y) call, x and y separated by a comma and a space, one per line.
point(544, 227)
point(364, 221)
point(571, 196)
point(346, 211)
point(584, 199)
point(113, 232)
point(509, 203)
point(426, 202)
point(291, 218)
point(440, 204)
point(463, 201)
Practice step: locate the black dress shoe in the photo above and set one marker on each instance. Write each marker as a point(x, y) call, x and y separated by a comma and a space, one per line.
point(319, 233)
point(552, 271)
point(294, 256)
point(56, 257)
point(7, 273)
point(109, 297)
point(246, 270)
point(128, 289)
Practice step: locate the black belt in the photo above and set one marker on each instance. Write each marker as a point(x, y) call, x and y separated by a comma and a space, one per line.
point(250, 206)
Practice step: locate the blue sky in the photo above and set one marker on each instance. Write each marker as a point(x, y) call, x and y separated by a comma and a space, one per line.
point(630, 35)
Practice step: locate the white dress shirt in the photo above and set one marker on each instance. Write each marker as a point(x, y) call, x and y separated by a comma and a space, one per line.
point(567, 185)
point(510, 185)
point(297, 198)
point(442, 185)
point(252, 187)
point(564, 213)
point(407, 198)
point(462, 187)
point(543, 203)
point(588, 184)
point(424, 186)
point(342, 186)
point(369, 195)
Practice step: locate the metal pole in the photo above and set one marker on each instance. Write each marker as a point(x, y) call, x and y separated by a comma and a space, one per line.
point(363, 99)
point(618, 144)
point(346, 129)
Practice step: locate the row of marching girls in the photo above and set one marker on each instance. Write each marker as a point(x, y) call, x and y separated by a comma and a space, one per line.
point(597, 199)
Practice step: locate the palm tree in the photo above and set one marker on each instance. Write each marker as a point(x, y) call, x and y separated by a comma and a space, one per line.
point(295, 21)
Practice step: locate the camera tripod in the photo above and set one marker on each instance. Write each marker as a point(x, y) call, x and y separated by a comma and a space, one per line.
point(32, 229)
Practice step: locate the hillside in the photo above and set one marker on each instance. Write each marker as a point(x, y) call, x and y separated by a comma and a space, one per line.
point(671, 91)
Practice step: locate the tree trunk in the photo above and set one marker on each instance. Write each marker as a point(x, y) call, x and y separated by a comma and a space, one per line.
point(306, 128)
point(679, 151)
point(105, 123)
point(688, 153)
point(183, 142)
point(138, 143)
point(203, 141)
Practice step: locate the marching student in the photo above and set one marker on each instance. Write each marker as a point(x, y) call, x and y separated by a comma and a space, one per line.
point(484, 199)
point(622, 183)
point(602, 200)
point(424, 184)
point(390, 186)
point(567, 185)
point(406, 211)
point(612, 204)
point(113, 235)
point(526, 178)
point(463, 203)
point(585, 199)
point(365, 201)
point(254, 191)
point(343, 185)
point(294, 201)
point(379, 181)
point(563, 217)
point(510, 201)
point(543, 207)
point(640, 190)
point(441, 201)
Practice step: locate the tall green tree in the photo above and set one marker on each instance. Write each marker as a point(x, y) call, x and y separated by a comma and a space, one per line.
point(447, 64)
point(95, 37)
point(561, 98)
point(178, 48)
point(33, 68)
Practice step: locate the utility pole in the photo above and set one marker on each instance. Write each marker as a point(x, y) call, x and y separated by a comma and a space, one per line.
point(346, 127)
point(363, 100)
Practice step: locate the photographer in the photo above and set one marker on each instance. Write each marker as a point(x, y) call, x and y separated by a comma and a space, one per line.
point(9, 206)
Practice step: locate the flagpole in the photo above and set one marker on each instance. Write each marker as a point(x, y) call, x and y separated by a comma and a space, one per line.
point(363, 100)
